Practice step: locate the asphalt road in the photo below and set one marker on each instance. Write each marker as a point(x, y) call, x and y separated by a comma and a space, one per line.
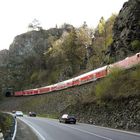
point(24, 132)
point(51, 129)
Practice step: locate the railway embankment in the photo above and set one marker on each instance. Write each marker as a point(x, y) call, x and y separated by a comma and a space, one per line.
point(112, 102)
point(122, 114)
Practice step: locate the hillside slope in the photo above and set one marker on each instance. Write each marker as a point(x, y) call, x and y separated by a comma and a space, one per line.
point(117, 108)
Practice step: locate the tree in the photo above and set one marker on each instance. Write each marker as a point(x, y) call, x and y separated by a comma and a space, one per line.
point(35, 25)
point(84, 25)
point(101, 26)
point(84, 39)
point(102, 30)
point(108, 26)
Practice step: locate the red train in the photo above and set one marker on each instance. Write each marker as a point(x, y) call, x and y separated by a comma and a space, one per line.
point(84, 78)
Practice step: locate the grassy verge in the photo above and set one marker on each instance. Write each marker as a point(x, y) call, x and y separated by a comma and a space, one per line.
point(52, 116)
point(6, 124)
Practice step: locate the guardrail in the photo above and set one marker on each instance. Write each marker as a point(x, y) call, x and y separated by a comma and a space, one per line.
point(15, 129)
point(1, 135)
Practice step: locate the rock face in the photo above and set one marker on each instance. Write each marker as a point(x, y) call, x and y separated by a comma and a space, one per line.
point(4, 57)
point(123, 114)
point(31, 44)
point(24, 55)
point(126, 31)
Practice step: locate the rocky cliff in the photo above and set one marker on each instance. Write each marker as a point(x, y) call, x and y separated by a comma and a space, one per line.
point(31, 44)
point(126, 31)
point(27, 63)
point(4, 57)
point(25, 55)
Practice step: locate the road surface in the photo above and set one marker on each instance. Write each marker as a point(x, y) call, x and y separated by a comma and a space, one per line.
point(51, 129)
point(24, 132)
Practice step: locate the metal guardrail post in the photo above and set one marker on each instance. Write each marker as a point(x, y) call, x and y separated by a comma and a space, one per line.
point(15, 129)
point(1, 135)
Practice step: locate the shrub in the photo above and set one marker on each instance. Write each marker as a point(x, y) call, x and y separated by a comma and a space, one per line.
point(34, 77)
point(135, 44)
point(107, 88)
point(5, 122)
point(119, 85)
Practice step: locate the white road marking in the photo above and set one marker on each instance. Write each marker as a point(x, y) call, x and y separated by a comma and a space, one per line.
point(84, 131)
point(118, 130)
point(28, 123)
point(91, 133)
point(122, 131)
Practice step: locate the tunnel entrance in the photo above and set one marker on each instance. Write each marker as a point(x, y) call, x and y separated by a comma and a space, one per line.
point(8, 94)
point(8, 91)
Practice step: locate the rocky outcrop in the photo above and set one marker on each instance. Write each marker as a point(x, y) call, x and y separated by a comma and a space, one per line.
point(31, 44)
point(24, 55)
point(126, 31)
point(4, 57)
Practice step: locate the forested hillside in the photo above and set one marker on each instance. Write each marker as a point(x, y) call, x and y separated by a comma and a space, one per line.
point(43, 57)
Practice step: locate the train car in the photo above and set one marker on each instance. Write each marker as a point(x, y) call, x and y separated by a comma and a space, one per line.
point(93, 75)
point(69, 83)
point(101, 72)
point(61, 85)
point(35, 91)
point(76, 81)
point(87, 77)
point(54, 87)
point(45, 89)
point(29, 92)
point(18, 93)
point(82, 79)
point(65, 84)
point(128, 62)
point(26, 92)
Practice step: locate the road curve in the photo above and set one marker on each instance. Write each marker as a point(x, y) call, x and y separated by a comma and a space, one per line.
point(24, 132)
point(51, 129)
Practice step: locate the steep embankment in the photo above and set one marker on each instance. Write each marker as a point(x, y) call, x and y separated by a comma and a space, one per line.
point(123, 114)
point(119, 107)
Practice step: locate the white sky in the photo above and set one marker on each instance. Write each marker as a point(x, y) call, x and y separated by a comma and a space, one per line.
point(16, 15)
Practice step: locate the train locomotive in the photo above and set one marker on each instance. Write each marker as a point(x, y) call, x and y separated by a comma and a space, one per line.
point(93, 75)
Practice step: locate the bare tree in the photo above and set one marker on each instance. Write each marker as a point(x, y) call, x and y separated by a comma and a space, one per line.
point(35, 25)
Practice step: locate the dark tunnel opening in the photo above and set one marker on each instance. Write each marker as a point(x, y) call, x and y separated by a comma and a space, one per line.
point(8, 94)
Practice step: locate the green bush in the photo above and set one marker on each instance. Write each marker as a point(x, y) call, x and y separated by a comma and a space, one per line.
point(52, 116)
point(119, 84)
point(109, 41)
point(106, 89)
point(34, 77)
point(135, 76)
point(5, 122)
point(135, 44)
